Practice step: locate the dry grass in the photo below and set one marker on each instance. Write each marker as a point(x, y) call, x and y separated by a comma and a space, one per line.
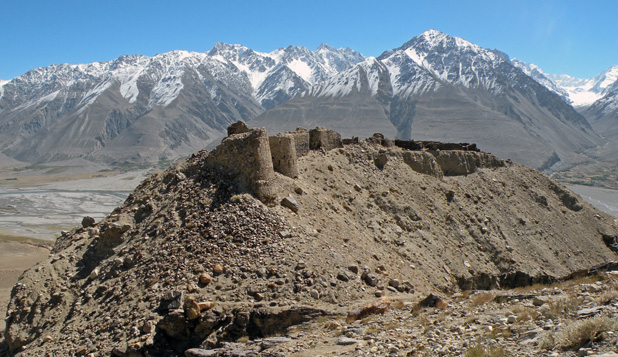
point(524, 313)
point(578, 333)
point(482, 298)
point(486, 351)
point(563, 307)
point(608, 297)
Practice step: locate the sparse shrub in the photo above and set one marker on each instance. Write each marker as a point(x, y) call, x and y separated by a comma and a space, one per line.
point(524, 313)
point(576, 334)
point(235, 198)
point(562, 307)
point(481, 298)
point(486, 351)
point(608, 297)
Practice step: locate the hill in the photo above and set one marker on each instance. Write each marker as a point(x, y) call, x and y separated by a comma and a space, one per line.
point(264, 235)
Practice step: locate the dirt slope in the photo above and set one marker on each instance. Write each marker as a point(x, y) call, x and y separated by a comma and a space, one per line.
point(192, 260)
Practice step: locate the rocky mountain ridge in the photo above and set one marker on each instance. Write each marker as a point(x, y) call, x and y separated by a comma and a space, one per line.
point(266, 234)
point(434, 87)
point(439, 87)
point(140, 108)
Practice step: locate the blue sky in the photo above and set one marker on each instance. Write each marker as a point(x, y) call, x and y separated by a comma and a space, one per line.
point(579, 38)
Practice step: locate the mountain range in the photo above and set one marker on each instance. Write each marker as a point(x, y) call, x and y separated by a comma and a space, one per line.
point(434, 87)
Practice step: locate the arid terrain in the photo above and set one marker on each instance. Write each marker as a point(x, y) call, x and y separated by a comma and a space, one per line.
point(366, 248)
point(15, 257)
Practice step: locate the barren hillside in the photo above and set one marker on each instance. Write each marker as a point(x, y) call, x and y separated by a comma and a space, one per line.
point(264, 234)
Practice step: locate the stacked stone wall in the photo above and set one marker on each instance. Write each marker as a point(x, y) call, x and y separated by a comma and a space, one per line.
point(283, 152)
point(322, 138)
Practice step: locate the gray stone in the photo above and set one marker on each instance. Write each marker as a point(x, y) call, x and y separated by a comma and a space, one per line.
point(290, 203)
point(88, 222)
point(346, 341)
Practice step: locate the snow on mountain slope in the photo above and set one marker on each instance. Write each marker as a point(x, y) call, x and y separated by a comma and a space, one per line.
point(149, 108)
point(584, 92)
point(2, 83)
point(277, 76)
point(439, 87)
point(451, 59)
point(538, 75)
point(365, 76)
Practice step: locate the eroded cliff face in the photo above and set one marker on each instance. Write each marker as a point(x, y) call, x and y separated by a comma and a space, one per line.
point(223, 245)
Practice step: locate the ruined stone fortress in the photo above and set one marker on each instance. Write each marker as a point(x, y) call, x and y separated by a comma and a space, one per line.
point(252, 157)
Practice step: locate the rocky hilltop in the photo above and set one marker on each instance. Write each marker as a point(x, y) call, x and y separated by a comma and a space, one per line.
point(296, 236)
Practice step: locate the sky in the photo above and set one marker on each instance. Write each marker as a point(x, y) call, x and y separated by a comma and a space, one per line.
point(579, 38)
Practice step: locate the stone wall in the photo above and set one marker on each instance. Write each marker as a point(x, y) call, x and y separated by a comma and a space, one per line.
point(457, 163)
point(247, 156)
point(322, 138)
point(283, 152)
point(252, 157)
point(423, 162)
point(301, 140)
point(434, 145)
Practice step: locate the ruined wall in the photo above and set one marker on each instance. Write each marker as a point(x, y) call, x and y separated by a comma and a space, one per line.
point(423, 162)
point(247, 156)
point(283, 152)
point(456, 162)
point(322, 138)
point(434, 145)
point(301, 140)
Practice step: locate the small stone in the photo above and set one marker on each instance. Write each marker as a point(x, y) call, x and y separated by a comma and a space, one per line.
point(205, 278)
point(314, 294)
point(371, 280)
point(285, 234)
point(358, 188)
point(394, 283)
point(511, 319)
point(299, 191)
point(148, 327)
point(346, 341)
point(218, 269)
point(206, 305)
point(290, 203)
point(94, 274)
point(88, 222)
point(191, 308)
point(343, 276)
point(353, 269)
point(381, 160)
point(539, 300)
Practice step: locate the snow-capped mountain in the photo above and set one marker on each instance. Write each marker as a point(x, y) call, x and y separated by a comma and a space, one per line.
point(434, 87)
point(149, 108)
point(536, 73)
point(2, 83)
point(584, 92)
point(439, 87)
point(284, 73)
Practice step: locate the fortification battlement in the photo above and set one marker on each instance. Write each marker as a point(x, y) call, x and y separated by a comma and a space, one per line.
point(253, 157)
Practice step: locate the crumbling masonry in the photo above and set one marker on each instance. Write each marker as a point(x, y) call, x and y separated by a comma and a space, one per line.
point(253, 157)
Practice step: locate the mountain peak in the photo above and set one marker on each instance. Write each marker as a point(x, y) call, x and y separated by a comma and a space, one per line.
point(432, 34)
point(326, 47)
point(222, 47)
